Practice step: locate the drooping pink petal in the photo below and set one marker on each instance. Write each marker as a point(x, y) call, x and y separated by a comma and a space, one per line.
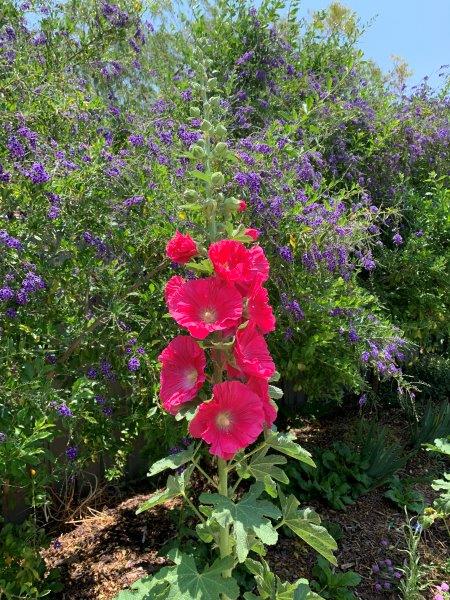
point(261, 387)
point(259, 310)
point(182, 372)
point(172, 287)
point(252, 354)
point(232, 420)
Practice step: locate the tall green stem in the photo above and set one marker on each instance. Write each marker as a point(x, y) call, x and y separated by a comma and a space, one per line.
point(224, 536)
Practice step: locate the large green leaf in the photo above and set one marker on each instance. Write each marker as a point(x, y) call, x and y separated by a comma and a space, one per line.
point(271, 587)
point(172, 462)
point(187, 583)
point(153, 587)
point(306, 524)
point(247, 515)
point(176, 486)
point(183, 581)
point(443, 502)
point(263, 467)
point(286, 444)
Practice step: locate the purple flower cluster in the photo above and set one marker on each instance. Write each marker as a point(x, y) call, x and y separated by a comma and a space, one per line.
point(387, 577)
point(103, 251)
point(114, 14)
point(383, 357)
point(55, 206)
point(37, 173)
point(9, 240)
point(292, 306)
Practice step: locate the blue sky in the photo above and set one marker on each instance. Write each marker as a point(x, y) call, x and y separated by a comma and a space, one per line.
point(416, 30)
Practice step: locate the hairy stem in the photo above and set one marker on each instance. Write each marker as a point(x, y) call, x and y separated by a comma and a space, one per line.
point(224, 536)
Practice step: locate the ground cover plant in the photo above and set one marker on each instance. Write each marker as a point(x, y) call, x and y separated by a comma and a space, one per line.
point(336, 170)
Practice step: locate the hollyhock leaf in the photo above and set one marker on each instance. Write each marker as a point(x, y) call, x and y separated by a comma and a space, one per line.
point(176, 486)
point(443, 502)
point(286, 444)
point(187, 583)
point(172, 462)
point(264, 468)
point(306, 525)
point(154, 587)
point(247, 515)
point(275, 393)
point(204, 267)
point(187, 411)
point(270, 586)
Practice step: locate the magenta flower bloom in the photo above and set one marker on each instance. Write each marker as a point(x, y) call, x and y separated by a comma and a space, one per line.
point(181, 248)
point(182, 373)
point(230, 259)
point(232, 420)
point(203, 306)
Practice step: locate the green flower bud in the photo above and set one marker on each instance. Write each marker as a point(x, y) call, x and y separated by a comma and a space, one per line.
point(217, 179)
point(220, 131)
point(197, 151)
point(206, 125)
point(212, 83)
point(220, 148)
point(194, 111)
point(190, 194)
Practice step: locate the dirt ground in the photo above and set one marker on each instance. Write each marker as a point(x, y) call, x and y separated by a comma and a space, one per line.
point(111, 547)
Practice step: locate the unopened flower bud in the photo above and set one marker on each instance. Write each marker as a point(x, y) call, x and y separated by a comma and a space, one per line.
point(217, 179)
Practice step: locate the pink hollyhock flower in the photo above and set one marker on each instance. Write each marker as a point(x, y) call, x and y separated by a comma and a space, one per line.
point(182, 373)
point(172, 287)
point(252, 354)
point(261, 387)
point(259, 310)
point(181, 248)
point(242, 206)
point(444, 587)
point(231, 421)
point(206, 305)
point(253, 233)
point(230, 260)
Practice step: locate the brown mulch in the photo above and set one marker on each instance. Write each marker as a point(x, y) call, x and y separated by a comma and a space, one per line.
point(111, 548)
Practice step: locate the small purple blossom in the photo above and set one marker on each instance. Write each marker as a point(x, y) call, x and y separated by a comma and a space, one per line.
point(397, 239)
point(72, 452)
point(64, 410)
point(134, 364)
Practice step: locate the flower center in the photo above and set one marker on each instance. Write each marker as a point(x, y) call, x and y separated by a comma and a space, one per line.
point(224, 420)
point(209, 315)
point(191, 376)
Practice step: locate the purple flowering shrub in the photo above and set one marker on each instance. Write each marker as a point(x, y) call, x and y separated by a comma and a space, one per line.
point(334, 165)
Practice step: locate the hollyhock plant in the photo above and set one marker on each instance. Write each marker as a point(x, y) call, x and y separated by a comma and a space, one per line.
point(183, 372)
point(232, 420)
point(221, 371)
point(203, 306)
point(181, 248)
